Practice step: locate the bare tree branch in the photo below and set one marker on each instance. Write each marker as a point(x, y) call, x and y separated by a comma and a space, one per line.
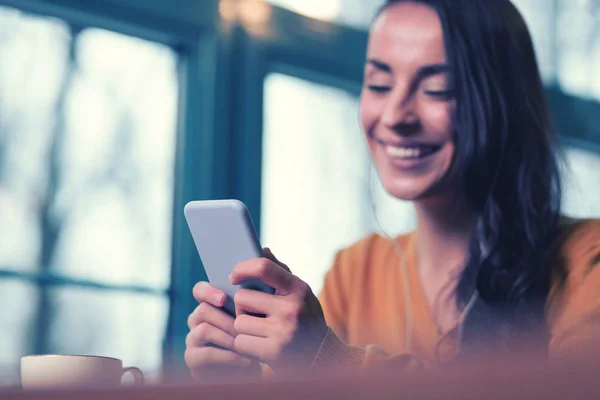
point(50, 225)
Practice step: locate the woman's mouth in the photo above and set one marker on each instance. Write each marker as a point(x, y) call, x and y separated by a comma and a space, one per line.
point(413, 151)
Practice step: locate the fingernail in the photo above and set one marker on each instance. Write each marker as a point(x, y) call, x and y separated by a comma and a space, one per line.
point(230, 277)
point(218, 298)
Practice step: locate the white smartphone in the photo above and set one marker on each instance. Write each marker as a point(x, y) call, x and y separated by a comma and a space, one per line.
point(224, 236)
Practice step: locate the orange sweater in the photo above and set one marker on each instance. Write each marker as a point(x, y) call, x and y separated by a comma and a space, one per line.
point(363, 302)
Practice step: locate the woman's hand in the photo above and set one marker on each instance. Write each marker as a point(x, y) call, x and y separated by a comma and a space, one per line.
point(290, 335)
point(210, 353)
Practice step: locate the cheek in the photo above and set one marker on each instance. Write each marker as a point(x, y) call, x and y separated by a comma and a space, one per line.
point(447, 175)
point(369, 114)
point(437, 119)
point(368, 110)
point(448, 156)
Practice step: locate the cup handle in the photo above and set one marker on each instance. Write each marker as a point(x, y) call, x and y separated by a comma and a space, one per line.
point(138, 375)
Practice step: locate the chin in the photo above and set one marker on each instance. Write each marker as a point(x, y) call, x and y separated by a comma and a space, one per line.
point(405, 189)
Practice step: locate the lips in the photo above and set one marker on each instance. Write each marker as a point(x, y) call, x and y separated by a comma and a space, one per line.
point(411, 152)
point(407, 151)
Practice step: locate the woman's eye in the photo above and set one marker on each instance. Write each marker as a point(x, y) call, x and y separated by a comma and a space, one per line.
point(378, 88)
point(440, 94)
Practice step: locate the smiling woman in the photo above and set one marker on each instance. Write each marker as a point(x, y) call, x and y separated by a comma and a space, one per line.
point(455, 117)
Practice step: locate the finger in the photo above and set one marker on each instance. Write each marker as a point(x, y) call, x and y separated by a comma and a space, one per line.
point(206, 333)
point(214, 316)
point(269, 255)
point(265, 270)
point(261, 348)
point(253, 326)
point(254, 302)
point(205, 292)
point(200, 357)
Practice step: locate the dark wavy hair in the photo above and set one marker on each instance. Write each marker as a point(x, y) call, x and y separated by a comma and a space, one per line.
point(507, 155)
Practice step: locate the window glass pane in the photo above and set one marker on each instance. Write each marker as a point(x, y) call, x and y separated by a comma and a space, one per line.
point(87, 148)
point(578, 47)
point(582, 183)
point(539, 17)
point(315, 194)
point(32, 66)
point(122, 325)
point(18, 304)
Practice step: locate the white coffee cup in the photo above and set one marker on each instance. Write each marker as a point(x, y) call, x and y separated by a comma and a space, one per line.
point(72, 371)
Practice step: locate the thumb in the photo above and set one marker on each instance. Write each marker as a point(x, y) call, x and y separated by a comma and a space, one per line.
point(270, 256)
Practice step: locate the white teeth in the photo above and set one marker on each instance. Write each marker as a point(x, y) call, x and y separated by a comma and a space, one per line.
point(402, 152)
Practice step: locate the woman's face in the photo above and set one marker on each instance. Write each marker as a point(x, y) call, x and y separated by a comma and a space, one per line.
point(407, 101)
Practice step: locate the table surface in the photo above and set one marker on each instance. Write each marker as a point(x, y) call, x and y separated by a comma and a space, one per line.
point(572, 379)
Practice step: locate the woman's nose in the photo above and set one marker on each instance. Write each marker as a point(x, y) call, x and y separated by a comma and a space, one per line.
point(400, 114)
point(399, 110)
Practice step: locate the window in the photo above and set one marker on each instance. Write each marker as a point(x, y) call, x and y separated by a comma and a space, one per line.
point(88, 123)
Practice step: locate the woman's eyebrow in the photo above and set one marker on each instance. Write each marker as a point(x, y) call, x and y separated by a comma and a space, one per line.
point(380, 65)
point(422, 73)
point(433, 69)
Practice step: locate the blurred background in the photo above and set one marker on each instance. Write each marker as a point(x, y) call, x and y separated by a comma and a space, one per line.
point(115, 113)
